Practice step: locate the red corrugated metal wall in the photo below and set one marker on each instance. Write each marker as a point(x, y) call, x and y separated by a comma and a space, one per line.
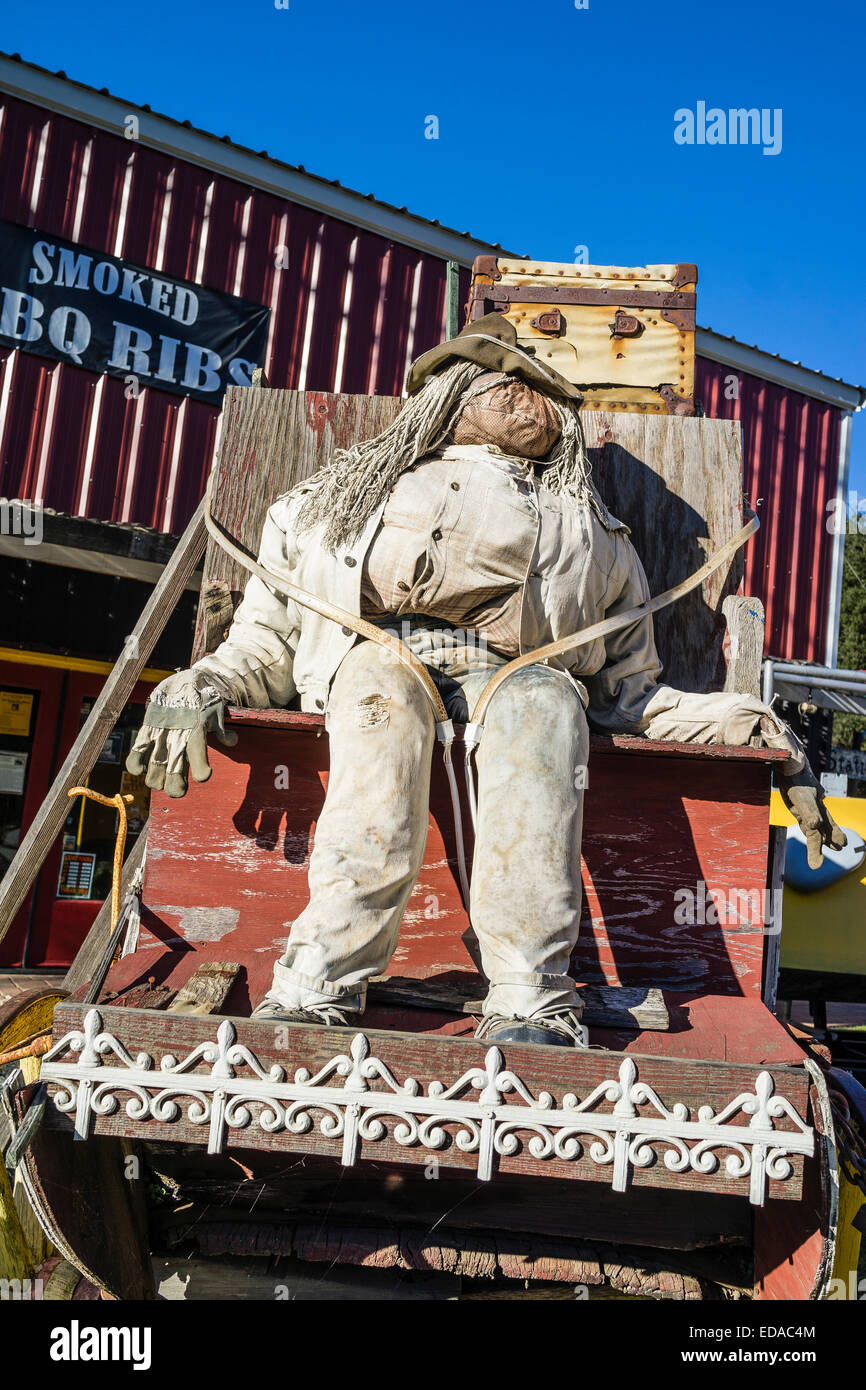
point(790, 469)
point(349, 310)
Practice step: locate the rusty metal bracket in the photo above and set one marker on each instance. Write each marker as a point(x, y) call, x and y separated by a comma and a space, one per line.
point(686, 273)
point(626, 325)
point(481, 304)
point(683, 319)
point(614, 295)
point(487, 267)
point(551, 322)
point(677, 405)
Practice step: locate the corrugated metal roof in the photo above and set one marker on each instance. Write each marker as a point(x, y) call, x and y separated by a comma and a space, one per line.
point(772, 366)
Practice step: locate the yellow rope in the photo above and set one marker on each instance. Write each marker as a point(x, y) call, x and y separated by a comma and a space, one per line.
point(119, 802)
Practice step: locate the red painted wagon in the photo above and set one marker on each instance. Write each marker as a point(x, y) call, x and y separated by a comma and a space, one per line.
point(691, 1146)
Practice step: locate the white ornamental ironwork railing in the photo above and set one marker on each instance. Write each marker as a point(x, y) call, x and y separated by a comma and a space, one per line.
point(239, 1091)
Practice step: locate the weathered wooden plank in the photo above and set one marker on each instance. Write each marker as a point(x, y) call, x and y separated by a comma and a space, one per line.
point(235, 1265)
point(106, 710)
point(233, 1279)
point(206, 991)
point(403, 1195)
point(677, 484)
point(430, 1059)
point(744, 644)
point(665, 476)
point(598, 743)
point(16, 1260)
point(147, 996)
point(605, 1006)
point(216, 605)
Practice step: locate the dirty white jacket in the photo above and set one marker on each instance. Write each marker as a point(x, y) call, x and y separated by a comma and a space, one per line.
point(472, 532)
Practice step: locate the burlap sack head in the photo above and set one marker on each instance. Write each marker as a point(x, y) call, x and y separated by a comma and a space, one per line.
point(509, 413)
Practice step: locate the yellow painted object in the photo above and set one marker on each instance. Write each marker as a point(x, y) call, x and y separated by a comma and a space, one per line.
point(22, 1243)
point(846, 1259)
point(16, 1261)
point(74, 663)
point(826, 930)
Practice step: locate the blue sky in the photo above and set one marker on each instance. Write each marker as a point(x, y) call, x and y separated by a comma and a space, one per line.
point(556, 129)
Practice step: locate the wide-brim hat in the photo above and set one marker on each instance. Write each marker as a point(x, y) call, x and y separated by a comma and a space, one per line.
point(491, 342)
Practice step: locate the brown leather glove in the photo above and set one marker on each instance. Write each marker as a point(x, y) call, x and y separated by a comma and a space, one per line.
point(804, 797)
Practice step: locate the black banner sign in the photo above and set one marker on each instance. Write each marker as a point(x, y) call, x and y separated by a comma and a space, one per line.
point(72, 304)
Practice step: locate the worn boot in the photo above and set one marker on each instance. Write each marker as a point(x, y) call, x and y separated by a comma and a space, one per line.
point(553, 1027)
point(322, 1015)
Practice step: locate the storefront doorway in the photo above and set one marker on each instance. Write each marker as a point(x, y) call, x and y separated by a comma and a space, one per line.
point(42, 708)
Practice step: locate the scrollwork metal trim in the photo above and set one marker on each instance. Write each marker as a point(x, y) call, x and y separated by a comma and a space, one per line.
point(94, 1074)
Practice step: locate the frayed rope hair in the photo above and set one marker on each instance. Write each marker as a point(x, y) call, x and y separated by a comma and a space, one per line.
point(346, 492)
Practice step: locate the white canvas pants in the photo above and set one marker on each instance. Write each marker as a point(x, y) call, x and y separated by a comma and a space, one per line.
point(370, 838)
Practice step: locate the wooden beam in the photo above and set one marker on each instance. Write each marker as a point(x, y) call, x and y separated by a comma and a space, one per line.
point(745, 620)
point(217, 607)
point(605, 1006)
point(207, 989)
point(117, 689)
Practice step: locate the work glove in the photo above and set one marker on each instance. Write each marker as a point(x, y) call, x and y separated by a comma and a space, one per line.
point(171, 745)
point(801, 791)
point(803, 795)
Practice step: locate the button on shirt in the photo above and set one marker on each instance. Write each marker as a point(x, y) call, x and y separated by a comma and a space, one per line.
point(456, 543)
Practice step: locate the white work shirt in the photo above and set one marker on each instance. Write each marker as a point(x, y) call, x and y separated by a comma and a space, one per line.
point(510, 552)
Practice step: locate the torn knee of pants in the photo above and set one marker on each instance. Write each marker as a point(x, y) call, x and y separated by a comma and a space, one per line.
point(373, 712)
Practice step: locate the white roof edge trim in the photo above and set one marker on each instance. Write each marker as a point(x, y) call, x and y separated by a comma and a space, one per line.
point(70, 98)
point(769, 368)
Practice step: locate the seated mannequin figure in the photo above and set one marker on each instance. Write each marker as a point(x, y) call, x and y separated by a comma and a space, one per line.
point(471, 529)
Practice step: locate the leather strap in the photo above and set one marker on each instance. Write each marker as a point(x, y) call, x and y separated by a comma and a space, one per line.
point(621, 620)
point(583, 638)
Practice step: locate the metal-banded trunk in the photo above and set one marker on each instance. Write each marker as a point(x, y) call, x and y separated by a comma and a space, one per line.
point(625, 335)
